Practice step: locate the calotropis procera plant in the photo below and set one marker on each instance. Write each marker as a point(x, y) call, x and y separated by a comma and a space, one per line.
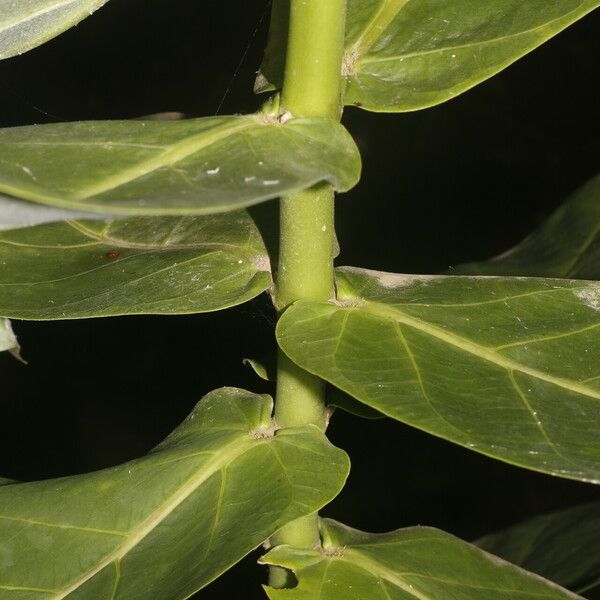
point(149, 217)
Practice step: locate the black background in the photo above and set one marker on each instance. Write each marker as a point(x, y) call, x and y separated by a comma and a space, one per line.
point(458, 182)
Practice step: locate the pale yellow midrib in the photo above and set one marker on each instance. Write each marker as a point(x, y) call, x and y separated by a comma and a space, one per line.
point(355, 557)
point(223, 458)
point(374, 568)
point(30, 17)
point(176, 153)
point(382, 19)
point(473, 348)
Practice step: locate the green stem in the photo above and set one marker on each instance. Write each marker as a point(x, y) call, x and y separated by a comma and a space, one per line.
point(312, 88)
point(313, 68)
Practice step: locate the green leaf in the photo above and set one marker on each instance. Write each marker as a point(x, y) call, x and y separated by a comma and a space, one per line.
point(563, 546)
point(566, 246)
point(4, 481)
point(165, 525)
point(418, 563)
point(506, 367)
point(8, 340)
point(25, 24)
point(194, 166)
point(142, 265)
point(404, 55)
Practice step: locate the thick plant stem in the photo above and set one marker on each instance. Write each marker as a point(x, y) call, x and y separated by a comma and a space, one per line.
point(312, 88)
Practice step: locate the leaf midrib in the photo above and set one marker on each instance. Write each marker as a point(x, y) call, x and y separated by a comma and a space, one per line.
point(223, 458)
point(482, 352)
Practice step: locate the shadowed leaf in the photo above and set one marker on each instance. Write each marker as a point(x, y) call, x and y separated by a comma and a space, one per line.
point(563, 546)
point(566, 246)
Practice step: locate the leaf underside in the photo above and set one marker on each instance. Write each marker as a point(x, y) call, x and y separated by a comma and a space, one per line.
point(141, 265)
point(566, 246)
point(563, 546)
point(195, 166)
point(405, 55)
point(505, 367)
point(418, 563)
point(25, 24)
point(169, 523)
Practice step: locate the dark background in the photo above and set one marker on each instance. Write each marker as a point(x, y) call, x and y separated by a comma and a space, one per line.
point(458, 182)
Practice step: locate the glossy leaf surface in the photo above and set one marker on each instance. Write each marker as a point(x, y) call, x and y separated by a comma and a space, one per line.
point(167, 524)
point(563, 546)
point(141, 265)
point(418, 563)
point(566, 246)
point(25, 24)
point(404, 55)
point(194, 166)
point(506, 367)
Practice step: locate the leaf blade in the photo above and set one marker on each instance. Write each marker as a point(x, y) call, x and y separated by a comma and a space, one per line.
point(186, 496)
point(432, 352)
point(142, 265)
point(27, 24)
point(417, 563)
point(184, 167)
point(563, 546)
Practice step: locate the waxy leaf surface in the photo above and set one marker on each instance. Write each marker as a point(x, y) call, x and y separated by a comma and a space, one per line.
point(506, 367)
point(418, 563)
point(404, 55)
point(566, 246)
point(141, 265)
point(194, 166)
point(563, 546)
point(25, 24)
point(167, 524)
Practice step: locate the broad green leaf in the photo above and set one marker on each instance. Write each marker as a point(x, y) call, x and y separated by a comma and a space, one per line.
point(4, 481)
point(194, 166)
point(404, 55)
point(563, 546)
point(566, 246)
point(506, 367)
point(25, 24)
point(165, 525)
point(418, 563)
point(8, 340)
point(141, 265)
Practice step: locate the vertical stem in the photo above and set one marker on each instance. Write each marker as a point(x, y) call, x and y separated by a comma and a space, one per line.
point(312, 88)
